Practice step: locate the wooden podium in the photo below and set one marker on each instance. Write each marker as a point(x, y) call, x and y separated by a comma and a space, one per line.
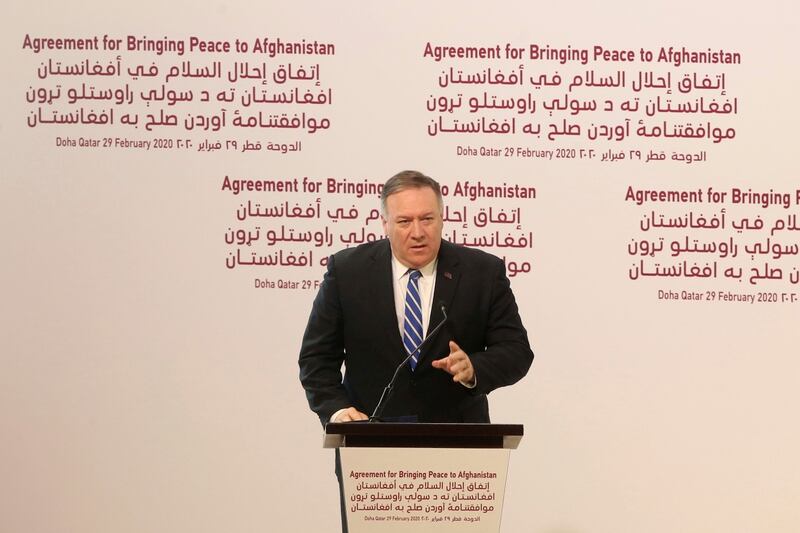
point(423, 477)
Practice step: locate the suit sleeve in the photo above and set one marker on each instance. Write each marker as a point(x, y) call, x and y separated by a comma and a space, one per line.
point(507, 355)
point(322, 351)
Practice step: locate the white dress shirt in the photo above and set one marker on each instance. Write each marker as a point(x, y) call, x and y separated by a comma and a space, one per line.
point(426, 285)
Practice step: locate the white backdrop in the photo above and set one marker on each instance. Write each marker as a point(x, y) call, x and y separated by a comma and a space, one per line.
point(147, 384)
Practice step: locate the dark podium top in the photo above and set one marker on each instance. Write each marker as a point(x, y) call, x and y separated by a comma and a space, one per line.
point(406, 435)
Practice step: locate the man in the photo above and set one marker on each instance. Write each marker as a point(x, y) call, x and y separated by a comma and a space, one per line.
point(378, 299)
point(367, 316)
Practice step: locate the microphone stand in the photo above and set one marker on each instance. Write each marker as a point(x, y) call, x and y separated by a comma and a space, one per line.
point(387, 391)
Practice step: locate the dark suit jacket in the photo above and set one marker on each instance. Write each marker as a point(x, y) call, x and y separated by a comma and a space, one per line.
point(353, 319)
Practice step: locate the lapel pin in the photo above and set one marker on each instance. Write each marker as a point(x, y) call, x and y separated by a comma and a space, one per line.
point(448, 275)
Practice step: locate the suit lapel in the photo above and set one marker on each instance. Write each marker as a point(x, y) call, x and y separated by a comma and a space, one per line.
point(380, 276)
point(447, 278)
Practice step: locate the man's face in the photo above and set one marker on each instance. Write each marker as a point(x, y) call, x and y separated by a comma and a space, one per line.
point(413, 225)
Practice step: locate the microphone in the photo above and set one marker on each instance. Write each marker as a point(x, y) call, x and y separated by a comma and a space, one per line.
point(387, 391)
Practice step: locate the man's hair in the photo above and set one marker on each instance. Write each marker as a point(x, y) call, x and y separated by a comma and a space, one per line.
point(409, 179)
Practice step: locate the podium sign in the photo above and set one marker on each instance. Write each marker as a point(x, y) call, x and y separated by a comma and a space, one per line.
point(423, 477)
point(415, 489)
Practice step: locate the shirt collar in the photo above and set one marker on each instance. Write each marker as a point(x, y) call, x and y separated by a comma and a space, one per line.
point(399, 270)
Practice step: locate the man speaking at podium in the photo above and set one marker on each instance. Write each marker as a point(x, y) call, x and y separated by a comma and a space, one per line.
point(440, 317)
point(380, 301)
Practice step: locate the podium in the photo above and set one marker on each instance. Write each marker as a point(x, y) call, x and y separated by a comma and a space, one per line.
point(402, 477)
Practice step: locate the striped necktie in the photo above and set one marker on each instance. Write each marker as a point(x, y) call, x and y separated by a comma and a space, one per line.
point(412, 327)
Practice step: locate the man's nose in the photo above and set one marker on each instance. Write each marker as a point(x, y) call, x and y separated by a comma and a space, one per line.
point(416, 229)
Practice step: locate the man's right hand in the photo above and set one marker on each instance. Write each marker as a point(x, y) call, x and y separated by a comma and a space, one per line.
point(351, 414)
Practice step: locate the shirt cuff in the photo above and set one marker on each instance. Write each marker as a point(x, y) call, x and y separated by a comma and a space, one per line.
point(337, 413)
point(471, 385)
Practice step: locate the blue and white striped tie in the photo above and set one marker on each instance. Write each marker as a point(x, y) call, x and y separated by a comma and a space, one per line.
point(412, 328)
